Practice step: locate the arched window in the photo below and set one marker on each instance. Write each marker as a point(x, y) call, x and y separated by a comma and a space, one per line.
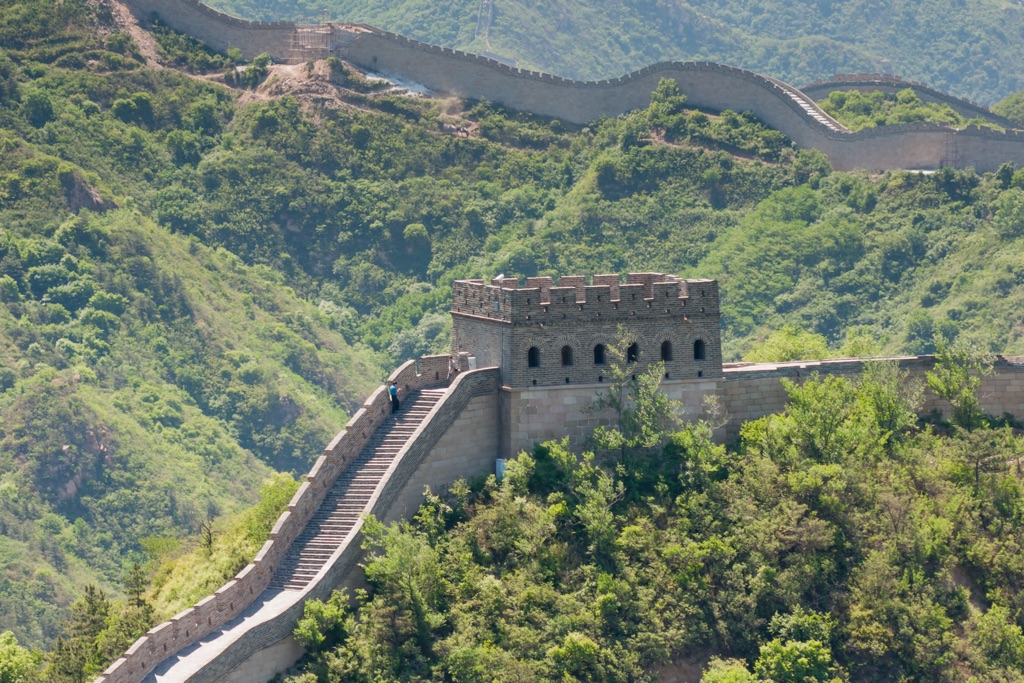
point(698, 349)
point(566, 355)
point(633, 353)
point(599, 355)
point(666, 350)
point(533, 357)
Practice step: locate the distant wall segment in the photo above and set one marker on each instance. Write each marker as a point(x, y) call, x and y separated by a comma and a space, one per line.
point(706, 85)
point(218, 30)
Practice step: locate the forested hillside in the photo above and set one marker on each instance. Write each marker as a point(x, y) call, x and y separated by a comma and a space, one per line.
point(837, 543)
point(965, 47)
point(201, 276)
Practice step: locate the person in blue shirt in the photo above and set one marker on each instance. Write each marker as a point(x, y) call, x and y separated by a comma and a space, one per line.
point(393, 391)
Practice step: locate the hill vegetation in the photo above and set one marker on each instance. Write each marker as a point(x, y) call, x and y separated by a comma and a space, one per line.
point(966, 48)
point(198, 282)
point(860, 110)
point(836, 543)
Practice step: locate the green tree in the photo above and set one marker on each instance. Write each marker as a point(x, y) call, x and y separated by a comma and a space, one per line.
point(794, 661)
point(821, 412)
point(75, 657)
point(17, 664)
point(959, 368)
point(789, 343)
point(999, 638)
point(405, 569)
point(859, 343)
point(892, 397)
point(644, 414)
point(324, 625)
point(1009, 213)
point(38, 108)
point(803, 625)
point(577, 658)
point(727, 671)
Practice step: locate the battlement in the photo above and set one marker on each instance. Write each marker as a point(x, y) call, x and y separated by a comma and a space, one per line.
point(609, 297)
point(548, 332)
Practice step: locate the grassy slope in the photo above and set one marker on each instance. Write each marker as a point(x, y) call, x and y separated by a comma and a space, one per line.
point(966, 48)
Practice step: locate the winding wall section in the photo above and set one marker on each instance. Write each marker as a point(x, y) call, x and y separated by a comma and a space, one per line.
point(707, 85)
point(241, 634)
point(244, 617)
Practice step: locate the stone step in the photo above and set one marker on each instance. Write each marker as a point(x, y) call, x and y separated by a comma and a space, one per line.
point(318, 542)
point(337, 527)
point(330, 524)
point(324, 533)
point(351, 499)
point(348, 496)
point(312, 552)
point(320, 555)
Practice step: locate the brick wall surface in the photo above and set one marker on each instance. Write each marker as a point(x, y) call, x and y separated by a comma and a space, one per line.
point(752, 391)
point(545, 413)
point(218, 30)
point(746, 392)
point(467, 449)
point(663, 315)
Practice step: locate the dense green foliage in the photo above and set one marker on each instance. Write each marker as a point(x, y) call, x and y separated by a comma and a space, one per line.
point(1011, 107)
point(968, 48)
point(17, 664)
point(185, 575)
point(837, 543)
point(859, 110)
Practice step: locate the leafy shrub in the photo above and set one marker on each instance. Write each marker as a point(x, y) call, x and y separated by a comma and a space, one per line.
point(37, 108)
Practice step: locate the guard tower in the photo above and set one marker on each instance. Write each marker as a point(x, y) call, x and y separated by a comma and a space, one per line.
point(551, 342)
point(542, 335)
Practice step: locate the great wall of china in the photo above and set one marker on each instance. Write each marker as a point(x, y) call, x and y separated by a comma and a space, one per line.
point(914, 146)
point(380, 463)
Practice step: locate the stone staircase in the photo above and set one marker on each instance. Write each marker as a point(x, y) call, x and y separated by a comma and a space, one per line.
point(809, 106)
point(348, 497)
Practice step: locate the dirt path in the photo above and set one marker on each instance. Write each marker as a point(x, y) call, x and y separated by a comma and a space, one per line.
point(125, 21)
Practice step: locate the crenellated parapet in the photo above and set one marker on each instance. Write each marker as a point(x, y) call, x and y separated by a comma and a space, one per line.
point(544, 332)
point(610, 298)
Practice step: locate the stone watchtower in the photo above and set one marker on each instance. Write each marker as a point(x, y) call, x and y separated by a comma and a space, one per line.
point(551, 343)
